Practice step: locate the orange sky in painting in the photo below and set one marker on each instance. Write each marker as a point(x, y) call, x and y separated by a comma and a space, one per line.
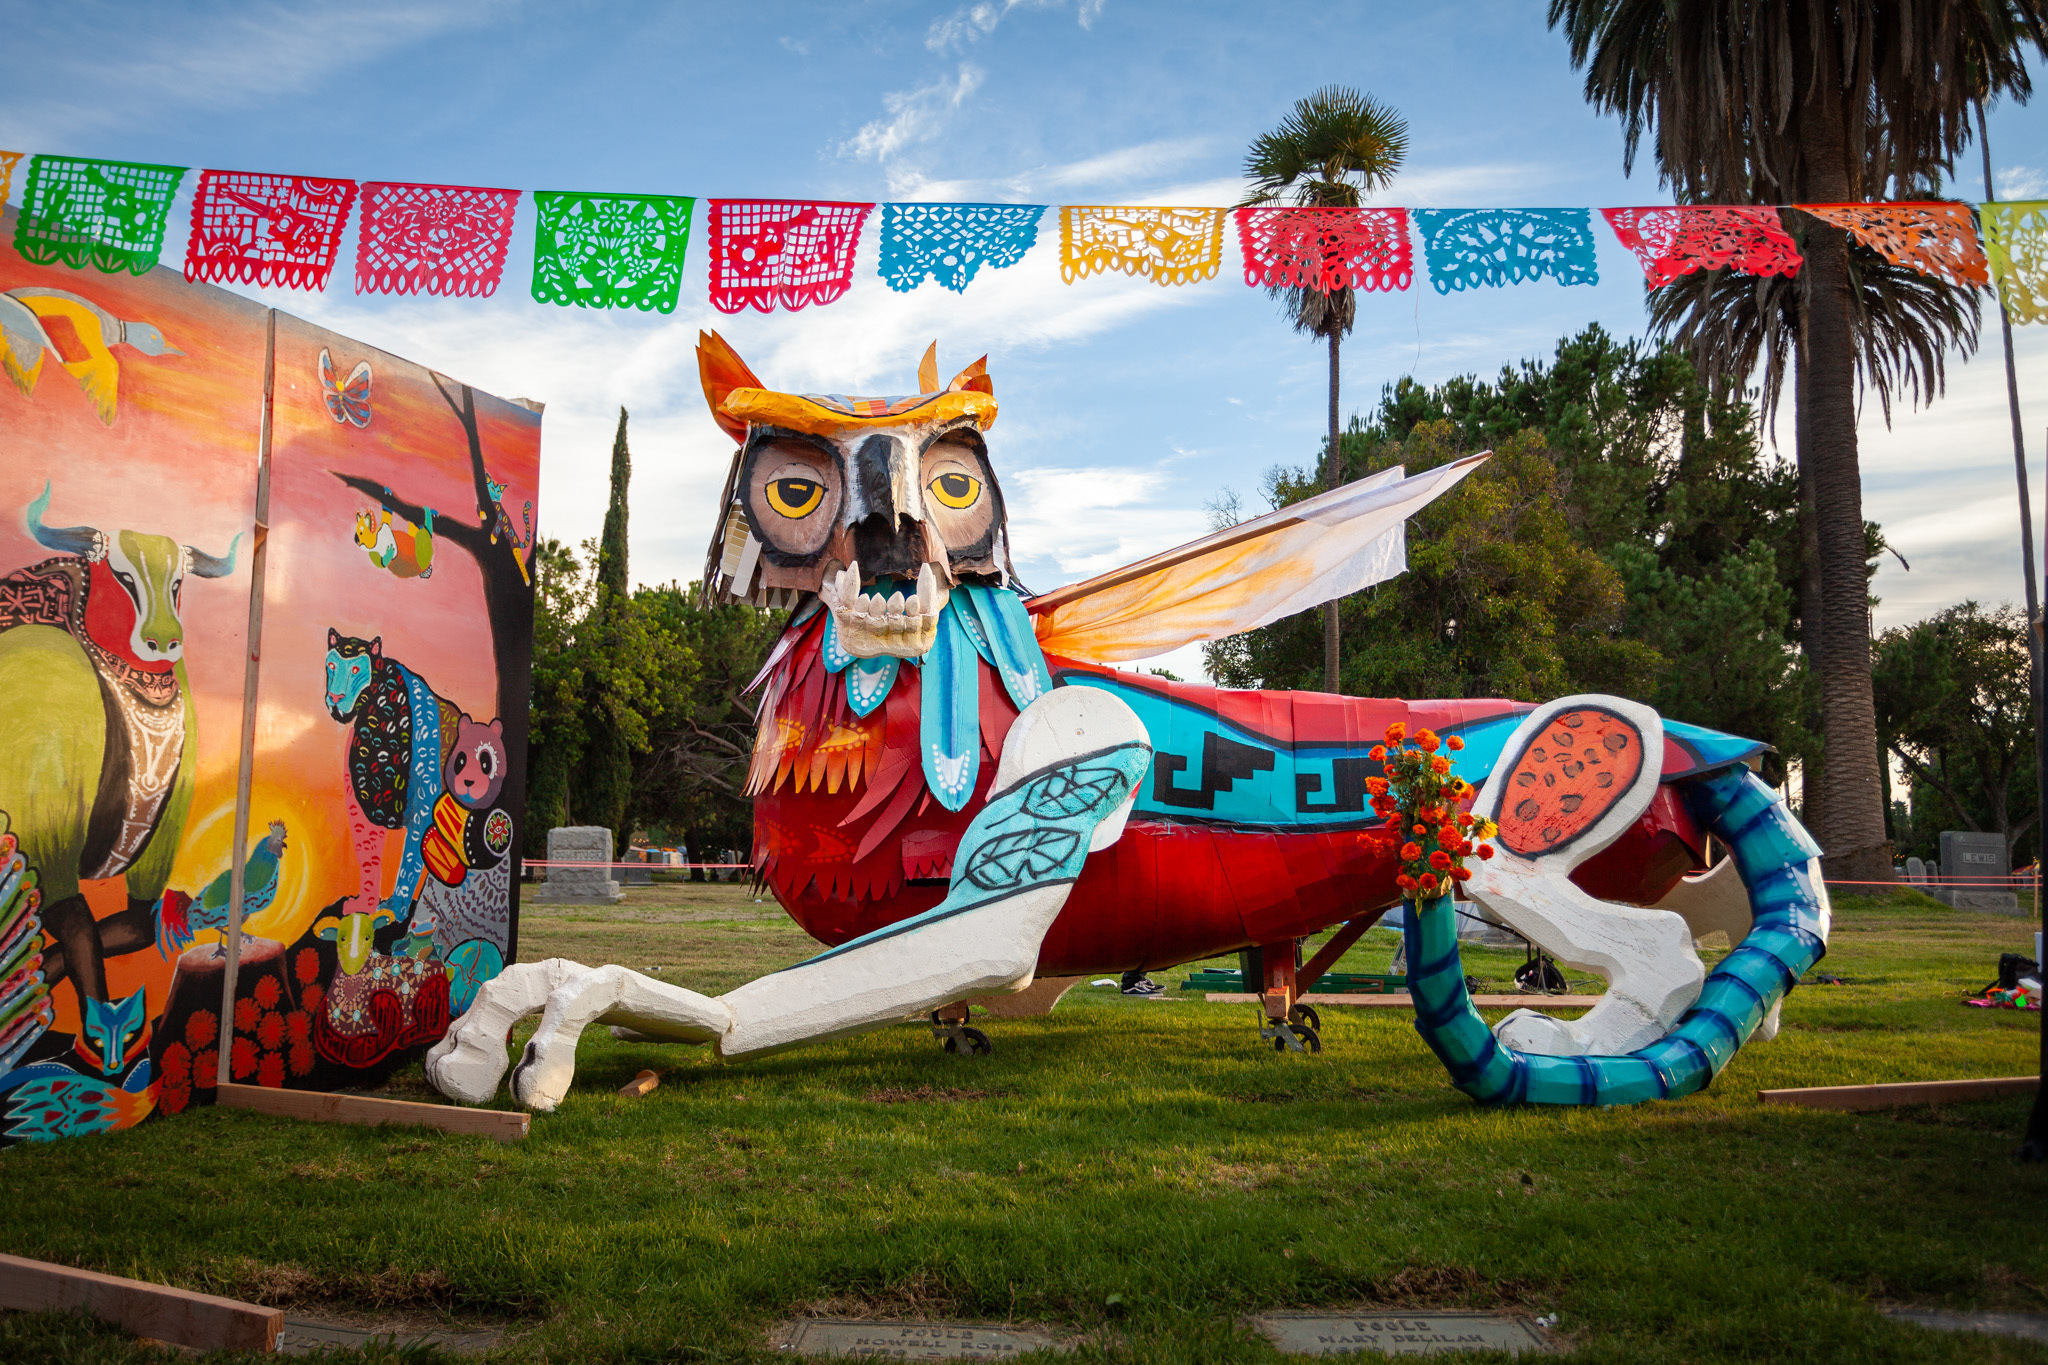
point(180, 460)
point(319, 577)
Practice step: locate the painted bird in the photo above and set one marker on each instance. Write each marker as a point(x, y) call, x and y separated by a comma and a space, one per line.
point(180, 917)
point(25, 338)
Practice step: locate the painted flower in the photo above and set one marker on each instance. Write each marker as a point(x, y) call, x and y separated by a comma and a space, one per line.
point(270, 1032)
point(241, 1059)
point(1410, 852)
point(1440, 860)
point(271, 1071)
point(201, 1028)
point(267, 992)
point(206, 1069)
point(1405, 882)
point(1486, 850)
point(299, 1025)
point(1462, 874)
point(301, 1058)
point(306, 966)
point(245, 1015)
point(1429, 881)
point(177, 1062)
point(312, 998)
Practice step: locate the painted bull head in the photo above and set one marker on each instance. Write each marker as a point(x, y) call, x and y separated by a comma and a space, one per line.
point(880, 506)
point(137, 583)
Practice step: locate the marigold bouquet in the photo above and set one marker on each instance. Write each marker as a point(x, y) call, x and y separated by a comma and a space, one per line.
point(1418, 798)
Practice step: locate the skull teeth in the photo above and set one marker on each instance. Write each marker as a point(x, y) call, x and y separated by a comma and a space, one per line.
point(891, 614)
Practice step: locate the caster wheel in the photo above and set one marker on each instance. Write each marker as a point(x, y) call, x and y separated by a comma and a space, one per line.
point(971, 1041)
point(1311, 1041)
point(1306, 1014)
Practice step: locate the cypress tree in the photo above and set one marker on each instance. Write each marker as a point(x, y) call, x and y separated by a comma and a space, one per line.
point(604, 781)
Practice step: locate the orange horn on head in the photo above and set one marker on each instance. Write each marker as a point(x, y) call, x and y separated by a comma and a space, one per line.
point(722, 371)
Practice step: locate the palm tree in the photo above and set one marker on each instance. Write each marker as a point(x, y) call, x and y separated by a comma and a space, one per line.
point(1786, 101)
point(1330, 150)
point(1737, 327)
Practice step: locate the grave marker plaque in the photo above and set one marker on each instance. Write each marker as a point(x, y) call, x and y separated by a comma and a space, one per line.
point(1398, 1334)
point(913, 1340)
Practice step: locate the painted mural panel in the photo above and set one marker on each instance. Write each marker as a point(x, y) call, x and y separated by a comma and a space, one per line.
point(129, 418)
point(389, 776)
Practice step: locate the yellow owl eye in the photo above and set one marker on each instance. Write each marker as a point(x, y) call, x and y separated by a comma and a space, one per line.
point(795, 498)
point(956, 490)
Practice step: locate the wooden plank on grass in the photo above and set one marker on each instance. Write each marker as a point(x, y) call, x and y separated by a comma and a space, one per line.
point(322, 1108)
point(1402, 1000)
point(178, 1316)
point(1856, 1097)
point(640, 1084)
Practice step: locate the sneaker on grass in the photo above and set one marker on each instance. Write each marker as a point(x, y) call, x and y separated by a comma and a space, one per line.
point(1137, 983)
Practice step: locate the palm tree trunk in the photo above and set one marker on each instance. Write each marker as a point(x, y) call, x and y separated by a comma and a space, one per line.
point(1332, 474)
point(1851, 795)
point(1812, 811)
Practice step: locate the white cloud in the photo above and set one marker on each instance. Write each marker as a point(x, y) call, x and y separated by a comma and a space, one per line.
point(2022, 182)
point(914, 115)
point(969, 24)
point(1115, 170)
point(143, 63)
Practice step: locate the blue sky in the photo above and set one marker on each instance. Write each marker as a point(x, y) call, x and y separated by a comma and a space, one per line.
point(1126, 406)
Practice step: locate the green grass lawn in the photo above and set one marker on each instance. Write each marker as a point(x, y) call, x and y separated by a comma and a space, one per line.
point(1139, 1174)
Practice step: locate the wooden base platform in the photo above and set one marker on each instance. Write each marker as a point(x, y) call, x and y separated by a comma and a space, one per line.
point(322, 1108)
point(1860, 1097)
point(179, 1316)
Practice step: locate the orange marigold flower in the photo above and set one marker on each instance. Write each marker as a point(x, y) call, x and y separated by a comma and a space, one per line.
point(1379, 753)
point(1463, 874)
point(1440, 860)
point(1376, 785)
point(1396, 732)
point(1440, 764)
point(1428, 740)
point(1486, 850)
point(1428, 882)
point(1418, 830)
point(1410, 852)
point(1453, 742)
point(1405, 882)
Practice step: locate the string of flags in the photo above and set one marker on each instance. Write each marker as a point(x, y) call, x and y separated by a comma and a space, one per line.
point(627, 250)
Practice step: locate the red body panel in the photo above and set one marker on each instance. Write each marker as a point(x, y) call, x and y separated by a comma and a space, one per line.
point(853, 858)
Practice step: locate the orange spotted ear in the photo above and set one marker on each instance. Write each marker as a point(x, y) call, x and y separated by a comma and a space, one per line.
point(928, 370)
point(972, 379)
point(722, 371)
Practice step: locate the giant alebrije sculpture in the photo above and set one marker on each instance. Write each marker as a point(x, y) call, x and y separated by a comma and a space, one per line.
point(956, 790)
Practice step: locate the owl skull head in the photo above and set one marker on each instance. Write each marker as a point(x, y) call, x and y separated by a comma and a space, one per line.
point(880, 506)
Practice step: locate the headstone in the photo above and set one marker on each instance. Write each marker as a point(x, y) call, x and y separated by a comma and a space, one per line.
point(1916, 871)
point(913, 1340)
point(638, 873)
point(1399, 1334)
point(304, 1337)
point(580, 885)
point(1968, 860)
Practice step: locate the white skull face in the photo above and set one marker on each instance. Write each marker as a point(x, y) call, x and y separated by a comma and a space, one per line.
point(880, 522)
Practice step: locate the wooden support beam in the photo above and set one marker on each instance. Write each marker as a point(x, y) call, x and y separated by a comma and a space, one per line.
point(640, 1084)
point(323, 1108)
point(1402, 1000)
point(1339, 944)
point(178, 1316)
point(1859, 1097)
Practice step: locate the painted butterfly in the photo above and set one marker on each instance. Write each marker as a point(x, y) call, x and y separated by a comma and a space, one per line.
point(350, 401)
